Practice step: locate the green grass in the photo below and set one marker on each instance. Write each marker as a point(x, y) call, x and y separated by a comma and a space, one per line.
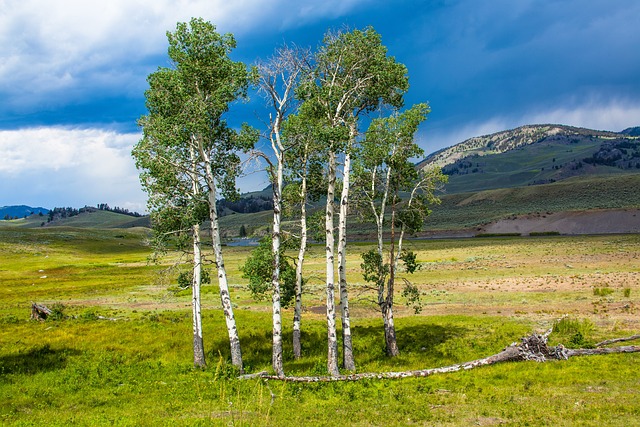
point(480, 295)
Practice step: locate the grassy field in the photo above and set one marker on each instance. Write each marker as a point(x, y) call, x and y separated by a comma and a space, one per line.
point(480, 295)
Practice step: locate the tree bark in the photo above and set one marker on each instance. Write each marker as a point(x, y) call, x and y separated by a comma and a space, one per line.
point(39, 312)
point(277, 362)
point(391, 343)
point(615, 340)
point(389, 324)
point(225, 298)
point(198, 343)
point(332, 339)
point(347, 344)
point(297, 310)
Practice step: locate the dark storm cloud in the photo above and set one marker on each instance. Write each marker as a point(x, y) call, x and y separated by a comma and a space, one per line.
point(482, 66)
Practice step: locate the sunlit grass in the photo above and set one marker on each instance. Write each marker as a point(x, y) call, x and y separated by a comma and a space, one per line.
point(123, 354)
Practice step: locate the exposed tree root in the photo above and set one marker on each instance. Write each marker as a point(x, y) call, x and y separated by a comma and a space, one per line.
point(533, 347)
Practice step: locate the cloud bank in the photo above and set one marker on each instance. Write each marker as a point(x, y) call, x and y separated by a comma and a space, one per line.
point(70, 167)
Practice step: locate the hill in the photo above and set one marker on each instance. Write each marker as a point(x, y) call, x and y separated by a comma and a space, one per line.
point(20, 211)
point(536, 154)
point(85, 219)
point(471, 213)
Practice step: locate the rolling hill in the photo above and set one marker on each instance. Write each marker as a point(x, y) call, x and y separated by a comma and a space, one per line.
point(531, 172)
point(86, 219)
point(20, 211)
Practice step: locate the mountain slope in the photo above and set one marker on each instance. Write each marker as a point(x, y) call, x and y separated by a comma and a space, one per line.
point(536, 154)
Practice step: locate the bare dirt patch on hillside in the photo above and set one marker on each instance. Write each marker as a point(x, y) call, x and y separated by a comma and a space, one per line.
point(615, 221)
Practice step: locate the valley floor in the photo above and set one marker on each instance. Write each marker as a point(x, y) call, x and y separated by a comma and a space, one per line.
point(479, 294)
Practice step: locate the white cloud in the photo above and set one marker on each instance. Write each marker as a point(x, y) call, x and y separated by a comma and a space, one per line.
point(611, 115)
point(49, 46)
point(57, 166)
point(443, 138)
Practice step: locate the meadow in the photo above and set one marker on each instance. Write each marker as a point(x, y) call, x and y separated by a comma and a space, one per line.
point(119, 350)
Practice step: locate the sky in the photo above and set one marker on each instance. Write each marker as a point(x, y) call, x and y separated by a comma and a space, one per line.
point(73, 75)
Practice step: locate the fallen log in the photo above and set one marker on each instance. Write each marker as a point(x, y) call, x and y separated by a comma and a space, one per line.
point(533, 347)
point(39, 312)
point(615, 340)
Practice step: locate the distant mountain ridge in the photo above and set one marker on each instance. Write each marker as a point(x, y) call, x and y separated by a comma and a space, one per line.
point(536, 154)
point(506, 140)
point(20, 211)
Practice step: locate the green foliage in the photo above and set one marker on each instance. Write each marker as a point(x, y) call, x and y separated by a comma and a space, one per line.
point(410, 261)
point(185, 278)
point(57, 311)
point(626, 292)
point(374, 270)
point(412, 294)
point(258, 268)
point(568, 326)
point(544, 233)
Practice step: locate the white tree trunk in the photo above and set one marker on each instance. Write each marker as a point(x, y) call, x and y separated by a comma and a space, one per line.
point(227, 308)
point(347, 344)
point(297, 310)
point(198, 344)
point(332, 339)
point(390, 328)
point(275, 283)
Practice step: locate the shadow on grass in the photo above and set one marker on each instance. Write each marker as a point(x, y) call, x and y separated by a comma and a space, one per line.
point(38, 359)
point(421, 340)
point(419, 343)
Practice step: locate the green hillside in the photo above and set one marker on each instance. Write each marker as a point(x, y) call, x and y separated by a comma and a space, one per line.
point(533, 155)
point(92, 219)
point(473, 209)
point(465, 210)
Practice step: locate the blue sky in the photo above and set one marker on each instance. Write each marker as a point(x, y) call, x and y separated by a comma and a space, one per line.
point(73, 75)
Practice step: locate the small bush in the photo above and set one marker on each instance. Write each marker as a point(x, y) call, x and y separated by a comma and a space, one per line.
point(57, 312)
point(225, 370)
point(498, 235)
point(626, 292)
point(569, 326)
point(602, 292)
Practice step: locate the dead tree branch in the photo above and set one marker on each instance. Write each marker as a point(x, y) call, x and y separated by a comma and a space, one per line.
point(533, 347)
point(607, 342)
point(39, 312)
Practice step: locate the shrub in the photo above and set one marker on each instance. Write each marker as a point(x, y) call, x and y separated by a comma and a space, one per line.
point(602, 292)
point(57, 311)
point(568, 326)
point(544, 233)
point(627, 292)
